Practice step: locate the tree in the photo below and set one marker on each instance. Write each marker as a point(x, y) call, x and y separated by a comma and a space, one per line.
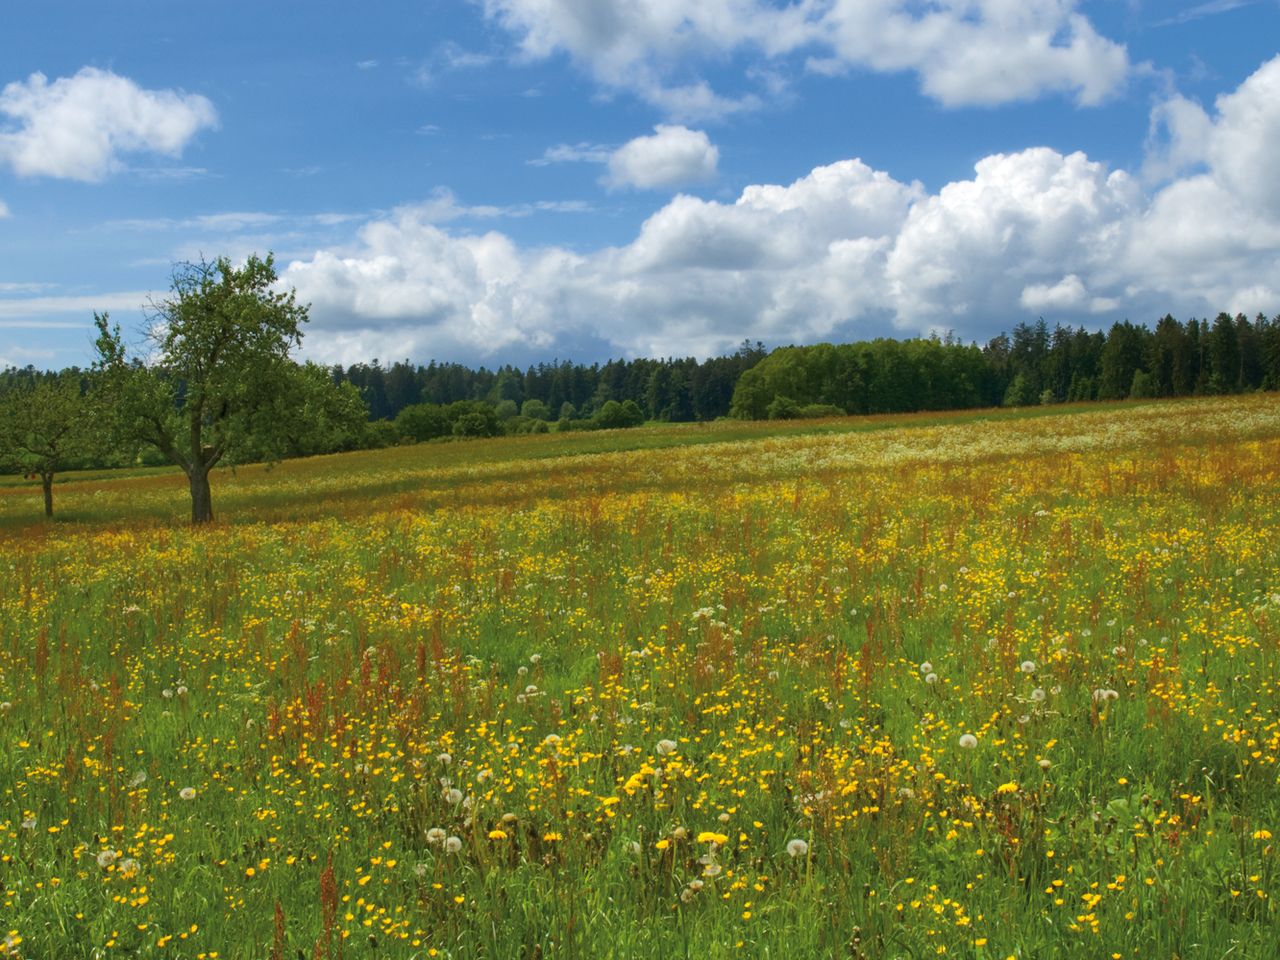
point(218, 387)
point(44, 425)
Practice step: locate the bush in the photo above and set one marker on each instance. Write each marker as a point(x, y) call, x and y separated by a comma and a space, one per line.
point(614, 415)
point(782, 408)
point(422, 421)
point(535, 410)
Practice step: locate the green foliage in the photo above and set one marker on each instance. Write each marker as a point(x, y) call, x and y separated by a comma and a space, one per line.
point(1020, 393)
point(423, 421)
point(535, 410)
point(1143, 386)
point(783, 408)
point(614, 415)
point(473, 419)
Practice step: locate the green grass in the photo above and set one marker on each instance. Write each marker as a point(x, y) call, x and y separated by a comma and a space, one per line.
point(549, 611)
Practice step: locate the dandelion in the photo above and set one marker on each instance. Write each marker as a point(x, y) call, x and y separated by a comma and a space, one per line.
point(552, 837)
point(187, 793)
point(926, 667)
point(5, 706)
point(666, 747)
point(497, 834)
point(968, 741)
point(1045, 763)
point(711, 870)
point(453, 796)
point(106, 858)
point(634, 848)
point(1010, 787)
point(551, 740)
point(707, 836)
point(435, 836)
point(452, 844)
point(1038, 694)
point(797, 848)
point(444, 758)
point(1262, 835)
point(931, 678)
point(29, 823)
point(1028, 666)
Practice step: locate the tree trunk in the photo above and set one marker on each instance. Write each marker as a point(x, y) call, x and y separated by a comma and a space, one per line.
point(201, 498)
point(46, 480)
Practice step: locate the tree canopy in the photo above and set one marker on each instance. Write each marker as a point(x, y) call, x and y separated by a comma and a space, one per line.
point(218, 385)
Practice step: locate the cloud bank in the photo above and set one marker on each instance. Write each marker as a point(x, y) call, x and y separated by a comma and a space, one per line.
point(964, 52)
point(77, 128)
point(844, 251)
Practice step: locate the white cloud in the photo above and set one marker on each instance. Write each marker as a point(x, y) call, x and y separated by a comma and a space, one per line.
point(22, 309)
point(839, 253)
point(77, 127)
point(1025, 219)
point(673, 156)
point(963, 51)
point(4, 210)
point(573, 153)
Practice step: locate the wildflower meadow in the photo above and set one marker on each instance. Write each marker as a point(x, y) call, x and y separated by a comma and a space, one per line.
point(972, 685)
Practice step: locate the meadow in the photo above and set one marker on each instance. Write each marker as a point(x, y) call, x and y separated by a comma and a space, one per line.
point(971, 685)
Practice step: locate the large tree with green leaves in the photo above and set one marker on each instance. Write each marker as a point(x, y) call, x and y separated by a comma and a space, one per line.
point(45, 425)
point(218, 385)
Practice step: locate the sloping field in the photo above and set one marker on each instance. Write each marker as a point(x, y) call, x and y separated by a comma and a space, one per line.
point(975, 686)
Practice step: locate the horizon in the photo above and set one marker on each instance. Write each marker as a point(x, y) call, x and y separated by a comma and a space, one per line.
point(508, 182)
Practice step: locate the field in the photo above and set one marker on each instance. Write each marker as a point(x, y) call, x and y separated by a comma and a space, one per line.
point(980, 686)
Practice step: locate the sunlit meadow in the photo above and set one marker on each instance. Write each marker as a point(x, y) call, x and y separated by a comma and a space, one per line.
point(971, 686)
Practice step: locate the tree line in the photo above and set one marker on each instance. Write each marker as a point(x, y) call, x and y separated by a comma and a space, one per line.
point(218, 384)
point(1034, 365)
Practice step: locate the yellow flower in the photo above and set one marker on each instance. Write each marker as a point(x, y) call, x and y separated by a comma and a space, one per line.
point(497, 834)
point(662, 844)
point(552, 837)
point(1010, 787)
point(1262, 835)
point(706, 836)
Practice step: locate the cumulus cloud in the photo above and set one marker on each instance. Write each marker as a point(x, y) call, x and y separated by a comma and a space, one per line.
point(4, 210)
point(845, 251)
point(673, 156)
point(78, 127)
point(972, 52)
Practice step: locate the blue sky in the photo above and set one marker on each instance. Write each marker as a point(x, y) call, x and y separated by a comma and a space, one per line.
point(514, 180)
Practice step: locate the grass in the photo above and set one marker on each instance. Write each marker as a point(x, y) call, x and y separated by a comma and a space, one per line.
point(579, 696)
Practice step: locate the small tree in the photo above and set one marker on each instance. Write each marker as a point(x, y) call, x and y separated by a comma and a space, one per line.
point(219, 385)
point(44, 426)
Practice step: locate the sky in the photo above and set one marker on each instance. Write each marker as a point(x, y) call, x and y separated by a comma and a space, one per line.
point(511, 181)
